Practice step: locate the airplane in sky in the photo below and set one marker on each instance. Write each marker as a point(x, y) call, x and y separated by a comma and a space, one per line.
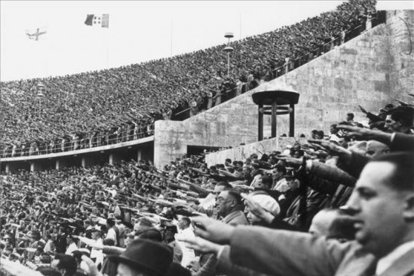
point(35, 35)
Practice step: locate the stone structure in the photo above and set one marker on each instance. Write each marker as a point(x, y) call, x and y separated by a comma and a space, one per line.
point(371, 70)
point(273, 103)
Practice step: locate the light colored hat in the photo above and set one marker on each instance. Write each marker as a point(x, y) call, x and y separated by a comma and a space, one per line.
point(267, 202)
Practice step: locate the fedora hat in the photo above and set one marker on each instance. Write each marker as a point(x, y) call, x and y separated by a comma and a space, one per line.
point(146, 256)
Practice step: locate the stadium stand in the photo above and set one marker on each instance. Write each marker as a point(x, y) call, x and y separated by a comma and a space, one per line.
point(103, 107)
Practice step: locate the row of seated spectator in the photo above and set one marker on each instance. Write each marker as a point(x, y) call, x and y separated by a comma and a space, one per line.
point(86, 214)
point(126, 132)
point(52, 108)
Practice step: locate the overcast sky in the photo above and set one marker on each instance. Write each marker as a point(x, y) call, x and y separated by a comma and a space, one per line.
point(138, 30)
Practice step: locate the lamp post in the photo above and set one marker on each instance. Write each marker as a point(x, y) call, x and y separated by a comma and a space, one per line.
point(228, 49)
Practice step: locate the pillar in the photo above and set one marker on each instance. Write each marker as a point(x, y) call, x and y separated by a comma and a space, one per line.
point(292, 121)
point(34, 166)
point(261, 113)
point(113, 158)
point(139, 154)
point(274, 111)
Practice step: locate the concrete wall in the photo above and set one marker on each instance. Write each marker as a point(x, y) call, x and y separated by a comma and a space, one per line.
point(242, 152)
point(370, 70)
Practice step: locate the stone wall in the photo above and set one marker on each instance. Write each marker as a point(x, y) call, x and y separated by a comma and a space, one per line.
point(242, 152)
point(371, 70)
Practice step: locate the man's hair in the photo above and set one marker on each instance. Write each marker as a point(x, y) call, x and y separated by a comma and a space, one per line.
point(403, 115)
point(225, 184)
point(351, 115)
point(267, 181)
point(110, 222)
point(187, 220)
point(144, 222)
point(402, 178)
point(236, 195)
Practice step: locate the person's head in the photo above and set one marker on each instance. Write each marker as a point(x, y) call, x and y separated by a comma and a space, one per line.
point(400, 120)
point(144, 258)
point(227, 202)
point(279, 171)
point(350, 117)
point(222, 186)
point(142, 223)
point(333, 129)
point(184, 223)
point(322, 222)
point(268, 203)
point(66, 264)
point(110, 223)
point(265, 183)
point(382, 203)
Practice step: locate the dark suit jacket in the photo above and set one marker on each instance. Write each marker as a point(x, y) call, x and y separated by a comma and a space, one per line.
point(404, 266)
point(293, 253)
point(278, 252)
point(402, 142)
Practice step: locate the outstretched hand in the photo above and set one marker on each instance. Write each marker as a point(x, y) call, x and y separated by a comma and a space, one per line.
point(363, 109)
point(212, 230)
point(292, 160)
point(366, 134)
point(201, 244)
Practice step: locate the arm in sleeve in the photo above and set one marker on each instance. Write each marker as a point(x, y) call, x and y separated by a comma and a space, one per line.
point(401, 142)
point(333, 174)
point(224, 265)
point(282, 253)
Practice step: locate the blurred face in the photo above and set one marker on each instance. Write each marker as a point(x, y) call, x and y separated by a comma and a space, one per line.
point(392, 125)
point(223, 204)
point(182, 224)
point(378, 210)
point(252, 218)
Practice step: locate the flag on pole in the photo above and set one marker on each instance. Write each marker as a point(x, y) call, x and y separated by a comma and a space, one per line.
point(97, 20)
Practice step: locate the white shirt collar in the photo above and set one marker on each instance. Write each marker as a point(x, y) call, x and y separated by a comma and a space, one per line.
point(386, 262)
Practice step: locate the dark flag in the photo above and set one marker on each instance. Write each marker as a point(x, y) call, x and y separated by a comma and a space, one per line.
point(89, 19)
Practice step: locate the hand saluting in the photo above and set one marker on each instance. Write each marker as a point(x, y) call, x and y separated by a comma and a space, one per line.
point(212, 230)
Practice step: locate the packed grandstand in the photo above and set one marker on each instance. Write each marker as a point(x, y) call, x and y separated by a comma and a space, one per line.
point(159, 221)
point(47, 115)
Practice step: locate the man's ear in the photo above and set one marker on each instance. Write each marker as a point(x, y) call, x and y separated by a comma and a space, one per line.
point(408, 212)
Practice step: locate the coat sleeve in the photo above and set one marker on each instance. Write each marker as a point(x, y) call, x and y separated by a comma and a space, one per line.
point(225, 266)
point(402, 142)
point(279, 252)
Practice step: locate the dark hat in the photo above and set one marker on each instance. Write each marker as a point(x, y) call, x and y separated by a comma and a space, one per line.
point(177, 270)
point(146, 256)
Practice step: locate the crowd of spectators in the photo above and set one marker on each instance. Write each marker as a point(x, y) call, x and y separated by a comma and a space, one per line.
point(51, 114)
point(287, 212)
point(85, 221)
